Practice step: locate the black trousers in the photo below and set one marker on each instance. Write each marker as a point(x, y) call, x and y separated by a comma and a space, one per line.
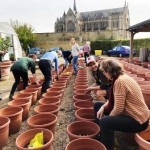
point(86, 54)
point(123, 123)
point(18, 75)
point(46, 69)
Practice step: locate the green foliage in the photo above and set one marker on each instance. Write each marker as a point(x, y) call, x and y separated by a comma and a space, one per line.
point(12, 56)
point(5, 43)
point(106, 45)
point(25, 35)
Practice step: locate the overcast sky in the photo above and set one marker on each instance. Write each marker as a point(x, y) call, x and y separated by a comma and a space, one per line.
point(42, 14)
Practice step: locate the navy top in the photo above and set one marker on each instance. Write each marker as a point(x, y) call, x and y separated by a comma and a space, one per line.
point(101, 79)
point(66, 54)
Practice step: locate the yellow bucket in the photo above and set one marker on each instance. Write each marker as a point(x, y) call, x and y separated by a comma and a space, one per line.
point(98, 52)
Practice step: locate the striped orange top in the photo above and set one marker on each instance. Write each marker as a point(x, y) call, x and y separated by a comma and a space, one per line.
point(129, 100)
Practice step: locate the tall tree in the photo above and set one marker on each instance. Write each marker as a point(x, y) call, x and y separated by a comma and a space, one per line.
point(25, 35)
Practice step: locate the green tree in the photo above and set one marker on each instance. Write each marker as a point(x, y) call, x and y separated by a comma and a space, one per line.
point(25, 35)
point(5, 43)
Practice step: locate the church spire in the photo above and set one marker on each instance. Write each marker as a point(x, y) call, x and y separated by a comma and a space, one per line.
point(74, 7)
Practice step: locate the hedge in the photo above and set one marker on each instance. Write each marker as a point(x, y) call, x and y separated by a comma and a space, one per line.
point(106, 45)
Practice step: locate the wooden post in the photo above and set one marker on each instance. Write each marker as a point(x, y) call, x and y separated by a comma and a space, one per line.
point(131, 46)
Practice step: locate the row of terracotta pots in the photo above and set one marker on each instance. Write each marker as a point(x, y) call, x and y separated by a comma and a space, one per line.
point(46, 114)
point(142, 138)
point(83, 132)
point(20, 106)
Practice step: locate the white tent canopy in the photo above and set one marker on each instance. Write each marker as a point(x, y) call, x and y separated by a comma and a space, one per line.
point(7, 30)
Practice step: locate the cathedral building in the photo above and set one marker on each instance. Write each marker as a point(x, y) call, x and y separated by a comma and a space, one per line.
point(115, 19)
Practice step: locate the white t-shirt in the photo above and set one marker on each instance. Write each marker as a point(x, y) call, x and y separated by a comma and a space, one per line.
point(75, 50)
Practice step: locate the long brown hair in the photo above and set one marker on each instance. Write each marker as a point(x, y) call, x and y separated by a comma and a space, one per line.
point(112, 66)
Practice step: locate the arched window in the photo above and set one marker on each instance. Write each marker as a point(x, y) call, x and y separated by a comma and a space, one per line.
point(70, 26)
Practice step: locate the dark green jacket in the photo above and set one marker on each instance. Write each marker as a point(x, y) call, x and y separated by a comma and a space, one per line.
point(24, 64)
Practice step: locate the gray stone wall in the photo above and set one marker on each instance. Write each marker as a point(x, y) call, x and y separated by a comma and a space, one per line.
point(48, 40)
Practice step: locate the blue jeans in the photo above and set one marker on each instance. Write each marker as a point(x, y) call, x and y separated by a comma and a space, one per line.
point(74, 63)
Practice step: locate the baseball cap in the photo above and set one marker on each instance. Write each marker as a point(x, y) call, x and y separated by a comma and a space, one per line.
point(90, 59)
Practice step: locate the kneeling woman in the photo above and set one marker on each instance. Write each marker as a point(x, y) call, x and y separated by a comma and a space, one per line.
point(126, 109)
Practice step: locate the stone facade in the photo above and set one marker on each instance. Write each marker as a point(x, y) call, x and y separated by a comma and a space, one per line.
point(94, 25)
point(116, 19)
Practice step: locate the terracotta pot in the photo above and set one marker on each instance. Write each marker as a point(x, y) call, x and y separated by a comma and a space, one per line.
point(61, 83)
point(33, 92)
point(80, 87)
point(80, 83)
point(4, 71)
point(83, 104)
point(138, 79)
point(15, 116)
point(52, 94)
point(146, 94)
point(143, 139)
point(24, 139)
point(47, 109)
point(81, 80)
point(47, 121)
point(79, 129)
point(147, 76)
point(82, 98)
point(85, 144)
point(56, 89)
point(4, 130)
point(58, 85)
point(81, 92)
point(24, 103)
point(22, 96)
point(38, 87)
point(131, 75)
point(85, 114)
point(141, 72)
point(47, 101)
point(20, 86)
point(143, 83)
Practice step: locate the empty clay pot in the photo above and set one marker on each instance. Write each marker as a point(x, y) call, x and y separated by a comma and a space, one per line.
point(47, 109)
point(22, 96)
point(83, 104)
point(47, 121)
point(56, 89)
point(79, 129)
point(85, 144)
point(59, 85)
point(143, 139)
point(4, 130)
point(52, 94)
point(24, 139)
point(147, 76)
point(24, 103)
point(38, 87)
point(85, 114)
point(33, 92)
point(82, 98)
point(146, 94)
point(143, 83)
point(15, 116)
point(81, 92)
point(51, 100)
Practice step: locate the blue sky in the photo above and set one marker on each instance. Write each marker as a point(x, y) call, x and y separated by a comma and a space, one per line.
point(42, 14)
